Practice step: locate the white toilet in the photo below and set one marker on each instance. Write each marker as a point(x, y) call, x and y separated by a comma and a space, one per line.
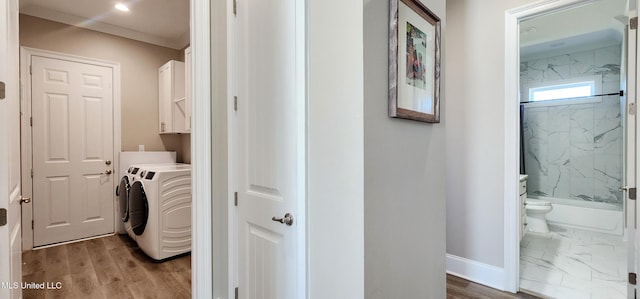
point(536, 211)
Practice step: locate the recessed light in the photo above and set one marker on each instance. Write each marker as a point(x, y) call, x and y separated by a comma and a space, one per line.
point(122, 7)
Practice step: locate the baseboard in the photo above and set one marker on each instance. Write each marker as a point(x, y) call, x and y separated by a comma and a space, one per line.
point(477, 272)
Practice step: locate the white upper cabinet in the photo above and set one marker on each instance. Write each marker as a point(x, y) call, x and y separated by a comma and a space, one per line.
point(172, 102)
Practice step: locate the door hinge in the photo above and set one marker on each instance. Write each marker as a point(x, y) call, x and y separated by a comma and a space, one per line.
point(30, 70)
point(235, 103)
point(32, 225)
point(235, 7)
point(235, 199)
point(2, 90)
point(633, 23)
point(236, 293)
point(3, 217)
point(632, 193)
point(632, 278)
point(31, 121)
point(31, 172)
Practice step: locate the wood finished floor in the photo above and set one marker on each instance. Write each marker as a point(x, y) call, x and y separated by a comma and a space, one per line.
point(458, 288)
point(114, 267)
point(108, 267)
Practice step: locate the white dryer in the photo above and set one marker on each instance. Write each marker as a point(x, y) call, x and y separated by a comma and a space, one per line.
point(160, 210)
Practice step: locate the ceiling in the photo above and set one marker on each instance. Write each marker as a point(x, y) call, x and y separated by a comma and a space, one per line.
point(601, 22)
point(160, 22)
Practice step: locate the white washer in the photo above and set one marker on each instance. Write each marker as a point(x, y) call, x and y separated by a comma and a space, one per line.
point(134, 173)
point(127, 160)
point(165, 190)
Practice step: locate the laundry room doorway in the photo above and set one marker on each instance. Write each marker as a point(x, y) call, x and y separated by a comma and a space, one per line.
point(71, 108)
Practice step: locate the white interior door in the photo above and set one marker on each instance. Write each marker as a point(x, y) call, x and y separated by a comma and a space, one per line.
point(270, 126)
point(72, 135)
point(10, 233)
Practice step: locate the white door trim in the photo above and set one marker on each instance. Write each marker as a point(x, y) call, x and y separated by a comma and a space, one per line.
point(25, 135)
point(512, 132)
point(202, 212)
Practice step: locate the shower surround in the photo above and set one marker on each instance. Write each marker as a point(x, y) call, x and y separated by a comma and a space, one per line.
point(574, 150)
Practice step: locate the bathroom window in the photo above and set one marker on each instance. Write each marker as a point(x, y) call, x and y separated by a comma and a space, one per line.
point(562, 91)
point(572, 91)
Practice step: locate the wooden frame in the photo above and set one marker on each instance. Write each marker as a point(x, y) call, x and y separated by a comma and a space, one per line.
point(414, 62)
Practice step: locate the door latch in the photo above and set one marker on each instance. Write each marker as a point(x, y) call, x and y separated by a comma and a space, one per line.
point(3, 217)
point(632, 192)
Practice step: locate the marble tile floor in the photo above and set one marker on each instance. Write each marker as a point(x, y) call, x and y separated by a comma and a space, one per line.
point(572, 263)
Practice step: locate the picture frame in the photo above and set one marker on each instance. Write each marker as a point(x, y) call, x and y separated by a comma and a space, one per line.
point(414, 62)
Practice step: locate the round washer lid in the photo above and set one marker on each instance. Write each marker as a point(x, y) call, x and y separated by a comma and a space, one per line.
point(138, 208)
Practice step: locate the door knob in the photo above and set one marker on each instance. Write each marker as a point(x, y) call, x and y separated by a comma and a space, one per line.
point(25, 200)
point(288, 219)
point(108, 162)
point(108, 172)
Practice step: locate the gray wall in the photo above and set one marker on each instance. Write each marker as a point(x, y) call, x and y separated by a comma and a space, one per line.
point(475, 131)
point(404, 179)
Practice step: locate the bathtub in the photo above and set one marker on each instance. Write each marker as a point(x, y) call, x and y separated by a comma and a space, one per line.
point(587, 215)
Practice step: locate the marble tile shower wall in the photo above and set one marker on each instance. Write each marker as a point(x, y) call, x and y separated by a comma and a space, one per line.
point(575, 150)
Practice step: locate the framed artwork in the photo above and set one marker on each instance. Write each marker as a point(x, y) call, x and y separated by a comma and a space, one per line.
point(414, 62)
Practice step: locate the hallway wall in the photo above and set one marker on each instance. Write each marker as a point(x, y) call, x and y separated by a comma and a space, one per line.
point(475, 135)
point(404, 178)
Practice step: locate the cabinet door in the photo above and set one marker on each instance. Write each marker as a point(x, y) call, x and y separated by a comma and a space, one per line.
point(164, 98)
point(171, 97)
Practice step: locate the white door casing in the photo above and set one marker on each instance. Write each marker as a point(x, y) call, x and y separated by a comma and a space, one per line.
point(73, 149)
point(632, 162)
point(511, 116)
point(628, 101)
point(187, 89)
point(270, 148)
point(10, 192)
